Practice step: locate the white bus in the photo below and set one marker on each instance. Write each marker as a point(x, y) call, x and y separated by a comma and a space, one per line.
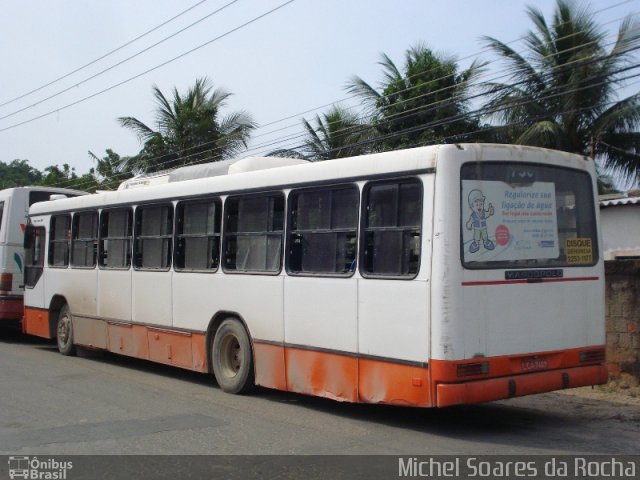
point(14, 208)
point(434, 276)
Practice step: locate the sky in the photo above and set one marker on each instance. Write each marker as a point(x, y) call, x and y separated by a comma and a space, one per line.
point(291, 61)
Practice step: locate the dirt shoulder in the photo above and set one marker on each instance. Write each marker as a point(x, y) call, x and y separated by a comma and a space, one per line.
point(623, 390)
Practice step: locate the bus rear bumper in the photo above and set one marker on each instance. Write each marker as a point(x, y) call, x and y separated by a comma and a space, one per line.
point(11, 308)
point(479, 391)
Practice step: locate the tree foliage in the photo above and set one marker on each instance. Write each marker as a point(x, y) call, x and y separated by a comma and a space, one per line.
point(425, 101)
point(18, 173)
point(189, 130)
point(562, 91)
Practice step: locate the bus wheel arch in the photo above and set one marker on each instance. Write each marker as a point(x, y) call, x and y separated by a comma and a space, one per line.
point(230, 353)
point(55, 305)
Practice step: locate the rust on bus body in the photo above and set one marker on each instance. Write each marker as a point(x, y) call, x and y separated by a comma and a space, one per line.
point(128, 339)
point(269, 365)
point(393, 383)
point(322, 374)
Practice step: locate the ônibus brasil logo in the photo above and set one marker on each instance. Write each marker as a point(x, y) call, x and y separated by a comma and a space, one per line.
point(35, 469)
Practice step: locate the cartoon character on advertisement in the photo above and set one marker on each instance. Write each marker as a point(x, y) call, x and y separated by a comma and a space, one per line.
point(478, 221)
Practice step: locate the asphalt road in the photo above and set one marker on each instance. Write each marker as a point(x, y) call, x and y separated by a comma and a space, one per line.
point(56, 405)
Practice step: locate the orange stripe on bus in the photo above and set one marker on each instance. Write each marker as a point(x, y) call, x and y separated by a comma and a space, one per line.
point(322, 374)
point(36, 322)
point(269, 362)
point(392, 383)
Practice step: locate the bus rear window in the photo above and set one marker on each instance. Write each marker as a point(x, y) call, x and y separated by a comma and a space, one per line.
point(526, 216)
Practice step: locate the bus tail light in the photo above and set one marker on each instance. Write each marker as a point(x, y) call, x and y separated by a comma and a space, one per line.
point(6, 282)
point(592, 356)
point(471, 369)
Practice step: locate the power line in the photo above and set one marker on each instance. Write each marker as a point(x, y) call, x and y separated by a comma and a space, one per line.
point(126, 44)
point(184, 54)
point(137, 54)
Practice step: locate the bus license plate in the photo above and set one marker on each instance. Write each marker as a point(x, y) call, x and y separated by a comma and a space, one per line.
point(534, 363)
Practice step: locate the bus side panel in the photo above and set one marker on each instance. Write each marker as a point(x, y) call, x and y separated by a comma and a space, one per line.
point(322, 312)
point(77, 286)
point(151, 297)
point(81, 286)
point(256, 299)
point(393, 383)
point(394, 319)
point(269, 365)
point(36, 322)
point(171, 348)
point(128, 339)
point(89, 332)
point(198, 298)
point(114, 294)
point(323, 374)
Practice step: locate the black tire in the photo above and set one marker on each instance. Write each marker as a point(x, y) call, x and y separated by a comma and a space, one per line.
point(64, 332)
point(232, 357)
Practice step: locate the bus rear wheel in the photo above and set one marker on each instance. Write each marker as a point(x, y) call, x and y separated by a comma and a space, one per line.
point(232, 358)
point(64, 332)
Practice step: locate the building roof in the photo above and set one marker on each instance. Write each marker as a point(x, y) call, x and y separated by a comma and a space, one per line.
point(620, 201)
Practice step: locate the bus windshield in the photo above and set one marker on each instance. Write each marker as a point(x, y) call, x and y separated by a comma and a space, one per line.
point(517, 215)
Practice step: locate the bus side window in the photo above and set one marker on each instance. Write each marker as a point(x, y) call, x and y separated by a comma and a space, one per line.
point(84, 240)
point(59, 236)
point(115, 238)
point(34, 255)
point(254, 228)
point(323, 231)
point(153, 237)
point(391, 214)
point(198, 235)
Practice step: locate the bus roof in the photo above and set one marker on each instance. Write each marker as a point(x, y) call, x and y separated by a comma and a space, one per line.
point(36, 188)
point(415, 160)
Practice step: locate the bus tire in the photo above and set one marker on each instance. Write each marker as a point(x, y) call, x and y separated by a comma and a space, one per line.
point(232, 357)
point(64, 332)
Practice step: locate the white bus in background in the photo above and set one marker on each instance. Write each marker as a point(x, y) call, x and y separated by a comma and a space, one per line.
point(14, 209)
point(435, 276)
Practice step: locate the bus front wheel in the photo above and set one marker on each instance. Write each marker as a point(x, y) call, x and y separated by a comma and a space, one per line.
point(232, 358)
point(64, 332)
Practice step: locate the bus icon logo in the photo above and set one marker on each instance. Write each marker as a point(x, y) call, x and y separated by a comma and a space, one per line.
point(18, 467)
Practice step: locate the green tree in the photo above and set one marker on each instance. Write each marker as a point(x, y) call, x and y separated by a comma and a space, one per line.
point(338, 133)
point(66, 177)
point(18, 173)
point(562, 92)
point(190, 130)
point(425, 101)
point(111, 170)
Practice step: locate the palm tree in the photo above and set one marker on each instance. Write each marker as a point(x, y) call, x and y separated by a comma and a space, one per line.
point(338, 133)
point(189, 130)
point(426, 101)
point(562, 91)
